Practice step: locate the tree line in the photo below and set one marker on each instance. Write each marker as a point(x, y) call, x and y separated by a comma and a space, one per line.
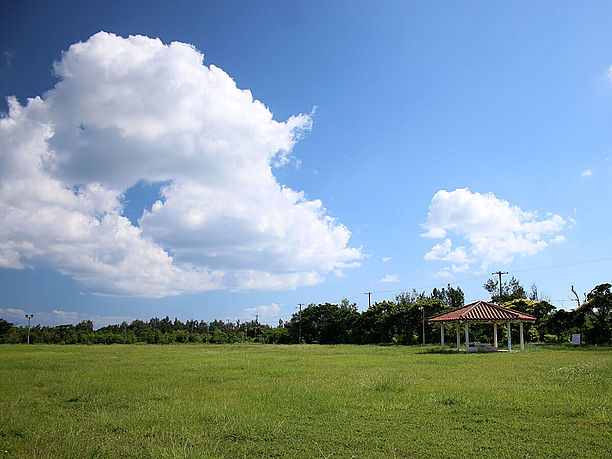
point(398, 321)
point(155, 331)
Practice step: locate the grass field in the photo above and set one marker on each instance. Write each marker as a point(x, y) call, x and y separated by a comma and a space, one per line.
point(303, 401)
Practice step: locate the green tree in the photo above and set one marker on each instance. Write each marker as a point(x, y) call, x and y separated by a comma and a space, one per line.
point(325, 323)
point(511, 290)
point(279, 335)
point(597, 315)
point(5, 327)
point(376, 324)
point(451, 297)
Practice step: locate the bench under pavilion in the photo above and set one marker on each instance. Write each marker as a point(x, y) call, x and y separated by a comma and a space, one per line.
point(481, 312)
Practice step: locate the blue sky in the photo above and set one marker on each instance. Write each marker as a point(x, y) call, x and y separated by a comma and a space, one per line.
point(401, 146)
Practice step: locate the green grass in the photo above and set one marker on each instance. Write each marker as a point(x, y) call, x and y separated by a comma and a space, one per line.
point(303, 401)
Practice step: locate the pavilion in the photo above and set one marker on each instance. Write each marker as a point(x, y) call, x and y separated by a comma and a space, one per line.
point(481, 312)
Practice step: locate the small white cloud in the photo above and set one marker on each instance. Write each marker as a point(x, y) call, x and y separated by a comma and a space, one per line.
point(443, 252)
point(315, 172)
point(559, 239)
point(6, 61)
point(264, 311)
point(448, 271)
point(444, 273)
point(492, 229)
point(439, 251)
point(386, 259)
point(460, 268)
point(587, 173)
point(390, 278)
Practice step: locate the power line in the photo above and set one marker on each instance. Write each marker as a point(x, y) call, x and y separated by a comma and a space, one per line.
point(564, 265)
point(474, 278)
point(425, 287)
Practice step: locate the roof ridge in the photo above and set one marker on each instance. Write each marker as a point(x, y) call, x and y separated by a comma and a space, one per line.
point(469, 307)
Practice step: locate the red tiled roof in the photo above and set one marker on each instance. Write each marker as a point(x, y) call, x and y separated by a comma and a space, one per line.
point(480, 311)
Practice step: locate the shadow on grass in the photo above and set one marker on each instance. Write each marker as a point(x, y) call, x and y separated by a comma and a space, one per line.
point(439, 351)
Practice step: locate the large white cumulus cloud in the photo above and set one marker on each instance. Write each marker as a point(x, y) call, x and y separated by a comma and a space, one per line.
point(491, 230)
point(127, 110)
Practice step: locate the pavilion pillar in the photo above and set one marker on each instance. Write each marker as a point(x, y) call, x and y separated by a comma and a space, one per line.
point(467, 338)
point(495, 334)
point(522, 339)
point(458, 337)
point(442, 336)
point(509, 338)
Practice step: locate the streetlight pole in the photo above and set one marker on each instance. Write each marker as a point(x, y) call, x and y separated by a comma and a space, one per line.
point(29, 316)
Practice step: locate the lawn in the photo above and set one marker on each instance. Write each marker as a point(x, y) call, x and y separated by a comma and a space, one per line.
point(303, 401)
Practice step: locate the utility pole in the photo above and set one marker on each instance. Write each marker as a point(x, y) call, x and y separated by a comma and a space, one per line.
point(29, 316)
point(369, 297)
point(300, 325)
point(499, 273)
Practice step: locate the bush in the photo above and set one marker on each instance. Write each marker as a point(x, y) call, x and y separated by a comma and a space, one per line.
point(532, 335)
point(195, 338)
point(219, 337)
point(279, 336)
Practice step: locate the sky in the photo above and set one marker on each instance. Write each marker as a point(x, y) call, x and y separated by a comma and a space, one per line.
point(226, 160)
